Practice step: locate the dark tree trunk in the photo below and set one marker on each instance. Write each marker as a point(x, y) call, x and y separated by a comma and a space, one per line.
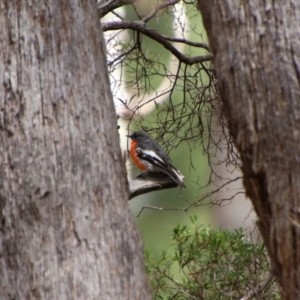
point(66, 231)
point(256, 48)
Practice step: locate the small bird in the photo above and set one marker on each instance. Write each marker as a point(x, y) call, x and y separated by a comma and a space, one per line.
point(147, 155)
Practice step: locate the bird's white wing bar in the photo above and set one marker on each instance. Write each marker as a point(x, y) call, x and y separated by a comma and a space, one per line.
point(158, 164)
point(180, 176)
point(150, 155)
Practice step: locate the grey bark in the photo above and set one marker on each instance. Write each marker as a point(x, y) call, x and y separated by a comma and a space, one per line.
point(149, 182)
point(256, 49)
point(65, 227)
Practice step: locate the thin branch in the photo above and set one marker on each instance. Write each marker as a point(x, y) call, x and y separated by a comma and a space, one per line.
point(208, 195)
point(158, 8)
point(158, 208)
point(137, 12)
point(187, 42)
point(221, 201)
point(260, 288)
point(106, 7)
point(117, 15)
point(139, 27)
point(195, 204)
point(110, 63)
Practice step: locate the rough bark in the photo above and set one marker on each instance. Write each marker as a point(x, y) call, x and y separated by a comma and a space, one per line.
point(256, 49)
point(65, 231)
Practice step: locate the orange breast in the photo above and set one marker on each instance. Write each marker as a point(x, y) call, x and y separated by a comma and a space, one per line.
point(135, 158)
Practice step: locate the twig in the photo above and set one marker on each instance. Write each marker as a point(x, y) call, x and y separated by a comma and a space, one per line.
point(139, 26)
point(157, 184)
point(105, 7)
point(187, 42)
point(159, 208)
point(110, 63)
point(117, 15)
point(208, 195)
point(260, 288)
point(158, 8)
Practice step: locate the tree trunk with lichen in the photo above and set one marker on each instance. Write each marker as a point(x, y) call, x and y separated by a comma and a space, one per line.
point(65, 228)
point(256, 49)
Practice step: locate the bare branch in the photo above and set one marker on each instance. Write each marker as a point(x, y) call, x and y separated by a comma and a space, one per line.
point(260, 288)
point(139, 26)
point(158, 208)
point(149, 182)
point(121, 55)
point(117, 15)
point(187, 42)
point(195, 204)
point(158, 8)
point(215, 191)
point(108, 6)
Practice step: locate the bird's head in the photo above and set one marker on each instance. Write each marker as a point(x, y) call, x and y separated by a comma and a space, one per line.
point(138, 136)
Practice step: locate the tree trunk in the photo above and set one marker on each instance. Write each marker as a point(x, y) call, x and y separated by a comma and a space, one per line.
point(66, 231)
point(256, 50)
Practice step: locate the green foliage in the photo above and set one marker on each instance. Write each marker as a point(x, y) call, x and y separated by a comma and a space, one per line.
point(212, 264)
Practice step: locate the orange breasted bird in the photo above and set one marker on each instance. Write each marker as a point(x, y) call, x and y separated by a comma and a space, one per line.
point(148, 156)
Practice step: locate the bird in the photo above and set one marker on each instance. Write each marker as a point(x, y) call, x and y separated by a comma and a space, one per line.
point(148, 156)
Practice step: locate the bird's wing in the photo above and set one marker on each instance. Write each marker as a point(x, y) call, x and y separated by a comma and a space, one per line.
point(163, 163)
point(151, 157)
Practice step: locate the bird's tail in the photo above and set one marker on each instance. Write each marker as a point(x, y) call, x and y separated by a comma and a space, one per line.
point(177, 177)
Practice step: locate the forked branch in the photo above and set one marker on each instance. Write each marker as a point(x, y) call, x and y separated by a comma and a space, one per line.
point(140, 27)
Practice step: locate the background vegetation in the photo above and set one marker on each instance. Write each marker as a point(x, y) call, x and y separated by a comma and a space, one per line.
point(213, 264)
point(197, 262)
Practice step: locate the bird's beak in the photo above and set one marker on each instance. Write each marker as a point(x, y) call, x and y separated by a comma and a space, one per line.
point(128, 135)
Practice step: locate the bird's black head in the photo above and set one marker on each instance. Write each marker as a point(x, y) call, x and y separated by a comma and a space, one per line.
point(138, 135)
